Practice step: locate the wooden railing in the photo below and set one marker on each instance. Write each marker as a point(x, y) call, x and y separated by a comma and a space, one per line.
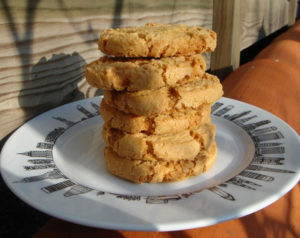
point(44, 45)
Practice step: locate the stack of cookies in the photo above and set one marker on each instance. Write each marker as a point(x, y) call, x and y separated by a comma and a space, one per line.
point(157, 101)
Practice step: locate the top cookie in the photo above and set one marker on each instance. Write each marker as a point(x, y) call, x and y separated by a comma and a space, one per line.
point(157, 40)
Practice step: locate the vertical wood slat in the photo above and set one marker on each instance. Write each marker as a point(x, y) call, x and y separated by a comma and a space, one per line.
point(292, 12)
point(226, 22)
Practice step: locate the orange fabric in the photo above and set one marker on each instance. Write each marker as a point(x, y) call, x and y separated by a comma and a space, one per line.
point(270, 85)
point(286, 51)
point(292, 34)
point(272, 82)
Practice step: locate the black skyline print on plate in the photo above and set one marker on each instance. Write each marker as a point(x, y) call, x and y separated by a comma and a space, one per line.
point(261, 133)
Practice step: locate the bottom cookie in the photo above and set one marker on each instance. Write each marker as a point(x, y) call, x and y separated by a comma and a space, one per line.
point(143, 171)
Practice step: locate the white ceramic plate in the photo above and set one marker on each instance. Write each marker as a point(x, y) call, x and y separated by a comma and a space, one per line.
point(55, 163)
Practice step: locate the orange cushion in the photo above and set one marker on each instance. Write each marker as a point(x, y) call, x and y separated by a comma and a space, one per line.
point(283, 52)
point(270, 82)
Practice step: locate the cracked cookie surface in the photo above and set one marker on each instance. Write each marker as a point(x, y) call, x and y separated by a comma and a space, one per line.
point(183, 145)
point(111, 73)
point(157, 40)
point(204, 90)
point(145, 171)
point(160, 124)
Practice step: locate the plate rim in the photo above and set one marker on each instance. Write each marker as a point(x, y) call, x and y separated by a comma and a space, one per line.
point(166, 226)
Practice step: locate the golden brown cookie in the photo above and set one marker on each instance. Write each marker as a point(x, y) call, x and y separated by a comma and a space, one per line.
point(145, 171)
point(157, 40)
point(111, 73)
point(183, 145)
point(165, 100)
point(160, 124)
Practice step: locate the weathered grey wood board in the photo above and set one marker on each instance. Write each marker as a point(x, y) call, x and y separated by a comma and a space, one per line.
point(44, 45)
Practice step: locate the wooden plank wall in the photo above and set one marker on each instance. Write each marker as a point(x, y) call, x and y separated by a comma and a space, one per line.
point(259, 18)
point(240, 23)
point(44, 45)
